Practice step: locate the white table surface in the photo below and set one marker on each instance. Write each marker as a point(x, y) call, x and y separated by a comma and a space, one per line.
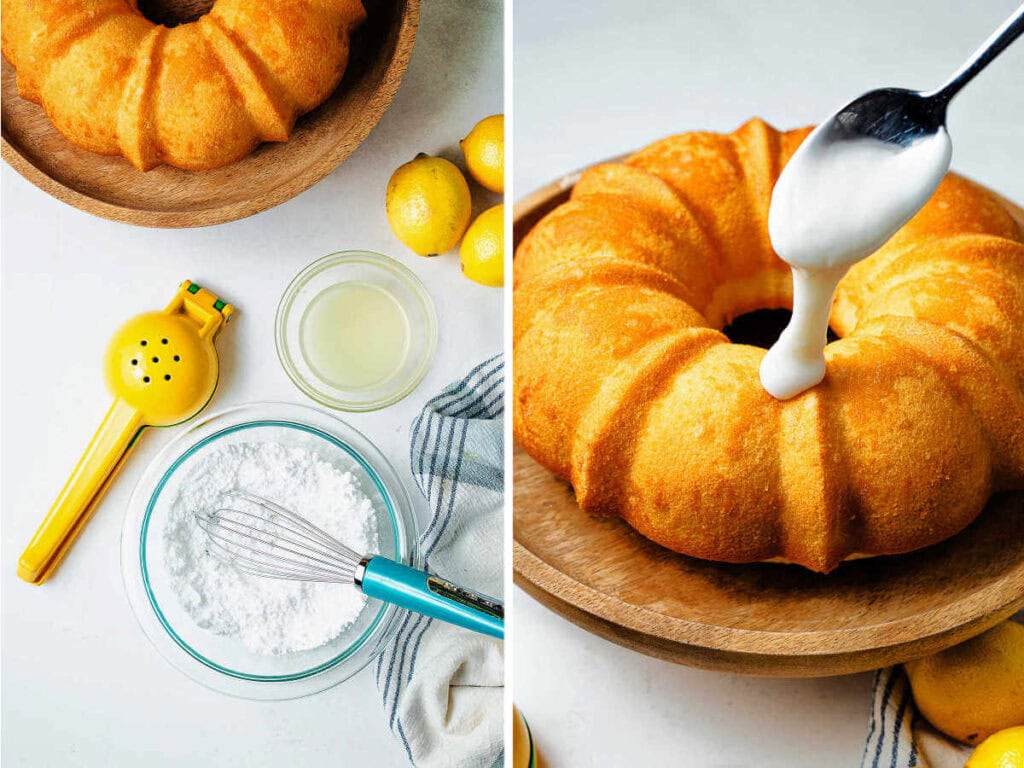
point(82, 686)
point(595, 79)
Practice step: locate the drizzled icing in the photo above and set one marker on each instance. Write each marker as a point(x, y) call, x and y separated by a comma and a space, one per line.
point(835, 203)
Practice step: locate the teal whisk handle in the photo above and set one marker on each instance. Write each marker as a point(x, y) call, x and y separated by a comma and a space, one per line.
point(422, 593)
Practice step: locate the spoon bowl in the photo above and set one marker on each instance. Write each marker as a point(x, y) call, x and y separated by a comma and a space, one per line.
point(854, 181)
point(893, 115)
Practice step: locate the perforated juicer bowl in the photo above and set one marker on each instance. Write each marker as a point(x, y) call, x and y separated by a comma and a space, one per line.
point(222, 663)
point(161, 366)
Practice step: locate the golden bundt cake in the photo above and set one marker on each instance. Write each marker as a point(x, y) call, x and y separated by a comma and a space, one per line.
point(626, 386)
point(199, 95)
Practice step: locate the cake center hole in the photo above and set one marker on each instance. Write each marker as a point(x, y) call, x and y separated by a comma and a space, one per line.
point(171, 13)
point(762, 327)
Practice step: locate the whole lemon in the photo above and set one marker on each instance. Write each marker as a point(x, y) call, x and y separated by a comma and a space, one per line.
point(974, 689)
point(484, 150)
point(1004, 749)
point(428, 204)
point(483, 249)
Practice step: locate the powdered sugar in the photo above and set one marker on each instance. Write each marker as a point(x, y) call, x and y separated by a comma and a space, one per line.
point(270, 616)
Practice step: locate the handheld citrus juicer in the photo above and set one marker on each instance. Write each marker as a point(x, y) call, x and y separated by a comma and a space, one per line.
point(162, 369)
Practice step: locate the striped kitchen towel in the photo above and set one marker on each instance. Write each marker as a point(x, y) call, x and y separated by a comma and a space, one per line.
point(442, 686)
point(898, 736)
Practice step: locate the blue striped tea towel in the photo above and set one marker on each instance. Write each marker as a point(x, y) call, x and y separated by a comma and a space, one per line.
point(442, 686)
point(898, 736)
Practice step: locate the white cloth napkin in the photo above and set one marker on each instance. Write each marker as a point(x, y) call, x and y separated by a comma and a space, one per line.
point(442, 686)
point(899, 737)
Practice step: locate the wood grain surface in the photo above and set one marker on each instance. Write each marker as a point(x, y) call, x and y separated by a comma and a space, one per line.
point(767, 618)
point(169, 197)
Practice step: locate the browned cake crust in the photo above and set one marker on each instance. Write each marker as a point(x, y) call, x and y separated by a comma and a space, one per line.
point(625, 386)
point(196, 96)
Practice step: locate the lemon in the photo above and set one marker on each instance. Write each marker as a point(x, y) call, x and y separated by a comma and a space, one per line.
point(483, 249)
point(1004, 749)
point(522, 744)
point(974, 689)
point(428, 204)
point(484, 150)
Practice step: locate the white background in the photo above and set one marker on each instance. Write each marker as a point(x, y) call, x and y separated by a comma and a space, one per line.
point(596, 79)
point(82, 685)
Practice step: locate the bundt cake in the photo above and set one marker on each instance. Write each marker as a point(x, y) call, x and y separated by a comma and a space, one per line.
point(199, 95)
point(626, 386)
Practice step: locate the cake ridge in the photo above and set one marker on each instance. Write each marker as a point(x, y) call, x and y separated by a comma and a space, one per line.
point(74, 27)
point(648, 242)
point(814, 522)
point(598, 178)
point(606, 425)
point(272, 119)
point(997, 262)
point(723, 181)
point(605, 272)
point(934, 222)
point(710, 235)
point(639, 314)
point(137, 99)
point(45, 51)
point(914, 477)
point(682, 492)
point(757, 146)
point(998, 405)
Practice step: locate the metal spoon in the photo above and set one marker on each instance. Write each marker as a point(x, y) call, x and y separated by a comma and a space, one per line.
point(907, 127)
point(854, 181)
point(901, 116)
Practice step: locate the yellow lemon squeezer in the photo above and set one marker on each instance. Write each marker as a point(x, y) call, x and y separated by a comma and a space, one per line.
point(162, 369)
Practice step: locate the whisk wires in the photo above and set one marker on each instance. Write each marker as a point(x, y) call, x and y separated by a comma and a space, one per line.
point(262, 538)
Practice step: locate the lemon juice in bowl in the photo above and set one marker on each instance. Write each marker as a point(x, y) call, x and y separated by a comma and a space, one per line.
point(355, 334)
point(356, 330)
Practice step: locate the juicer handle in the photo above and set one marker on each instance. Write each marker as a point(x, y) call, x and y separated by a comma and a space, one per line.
point(76, 501)
point(422, 593)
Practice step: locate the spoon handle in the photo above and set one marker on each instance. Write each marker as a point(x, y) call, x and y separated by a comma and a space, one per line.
point(997, 42)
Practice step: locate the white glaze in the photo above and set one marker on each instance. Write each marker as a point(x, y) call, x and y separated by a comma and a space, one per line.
point(834, 204)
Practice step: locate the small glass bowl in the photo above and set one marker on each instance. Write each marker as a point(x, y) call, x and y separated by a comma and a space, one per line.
point(225, 664)
point(368, 267)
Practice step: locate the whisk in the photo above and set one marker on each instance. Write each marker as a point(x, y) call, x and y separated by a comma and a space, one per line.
point(270, 541)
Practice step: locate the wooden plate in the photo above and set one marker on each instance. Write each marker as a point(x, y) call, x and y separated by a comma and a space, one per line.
point(168, 197)
point(763, 619)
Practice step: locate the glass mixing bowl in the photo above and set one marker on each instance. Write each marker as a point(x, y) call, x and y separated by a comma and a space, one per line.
point(223, 663)
point(385, 273)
